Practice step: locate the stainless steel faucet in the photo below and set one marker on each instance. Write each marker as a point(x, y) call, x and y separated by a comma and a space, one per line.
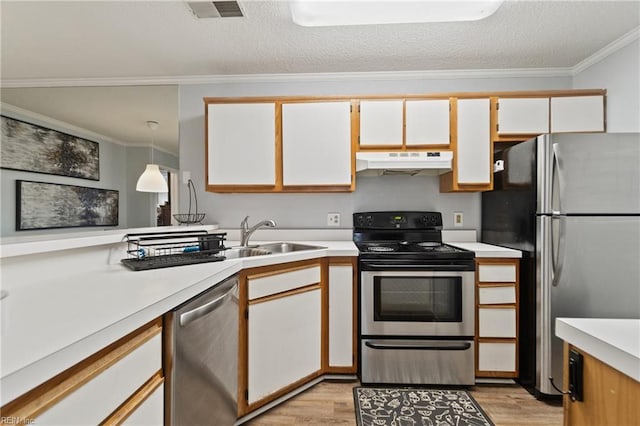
point(245, 231)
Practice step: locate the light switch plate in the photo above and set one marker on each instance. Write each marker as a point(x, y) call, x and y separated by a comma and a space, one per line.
point(185, 177)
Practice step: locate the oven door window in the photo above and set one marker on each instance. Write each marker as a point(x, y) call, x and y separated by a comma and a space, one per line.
point(417, 299)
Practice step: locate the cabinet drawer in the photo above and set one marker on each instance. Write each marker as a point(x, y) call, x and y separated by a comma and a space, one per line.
point(497, 356)
point(100, 396)
point(278, 282)
point(496, 295)
point(497, 322)
point(497, 273)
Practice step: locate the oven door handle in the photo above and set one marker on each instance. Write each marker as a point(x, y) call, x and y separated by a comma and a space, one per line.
point(422, 347)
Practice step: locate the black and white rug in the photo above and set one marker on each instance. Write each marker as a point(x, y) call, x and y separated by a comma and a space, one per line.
point(417, 407)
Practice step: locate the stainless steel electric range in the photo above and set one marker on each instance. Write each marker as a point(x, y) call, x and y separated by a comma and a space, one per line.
point(417, 301)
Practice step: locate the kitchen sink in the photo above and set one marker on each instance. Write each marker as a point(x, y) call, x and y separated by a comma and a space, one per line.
point(264, 249)
point(287, 247)
point(238, 252)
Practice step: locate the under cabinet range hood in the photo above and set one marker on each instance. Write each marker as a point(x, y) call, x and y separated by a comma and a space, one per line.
point(403, 162)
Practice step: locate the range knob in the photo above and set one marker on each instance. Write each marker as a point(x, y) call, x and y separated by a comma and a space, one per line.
point(360, 220)
point(369, 220)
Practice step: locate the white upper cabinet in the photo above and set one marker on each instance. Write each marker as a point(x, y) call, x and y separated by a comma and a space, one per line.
point(316, 143)
point(241, 143)
point(577, 114)
point(381, 123)
point(427, 122)
point(474, 142)
point(523, 116)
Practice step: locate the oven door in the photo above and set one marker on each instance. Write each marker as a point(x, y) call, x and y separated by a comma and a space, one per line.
point(417, 303)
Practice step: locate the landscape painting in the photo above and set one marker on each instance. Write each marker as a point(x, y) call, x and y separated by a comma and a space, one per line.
point(49, 205)
point(34, 148)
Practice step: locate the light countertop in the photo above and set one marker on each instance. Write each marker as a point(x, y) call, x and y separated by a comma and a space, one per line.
point(66, 298)
point(616, 342)
point(77, 301)
point(486, 250)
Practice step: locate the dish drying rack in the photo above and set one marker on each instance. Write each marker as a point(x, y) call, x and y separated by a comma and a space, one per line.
point(155, 250)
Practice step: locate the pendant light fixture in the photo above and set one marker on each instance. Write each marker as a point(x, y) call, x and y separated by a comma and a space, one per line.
point(151, 180)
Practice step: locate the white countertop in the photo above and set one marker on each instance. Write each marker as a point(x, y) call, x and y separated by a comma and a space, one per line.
point(65, 305)
point(486, 250)
point(66, 298)
point(616, 342)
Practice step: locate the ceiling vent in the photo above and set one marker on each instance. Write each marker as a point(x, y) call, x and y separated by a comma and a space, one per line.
point(216, 9)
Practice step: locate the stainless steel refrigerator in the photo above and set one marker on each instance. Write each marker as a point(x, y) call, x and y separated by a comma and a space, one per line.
point(571, 203)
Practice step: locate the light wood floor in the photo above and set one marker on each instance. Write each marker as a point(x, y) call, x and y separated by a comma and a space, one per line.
point(331, 403)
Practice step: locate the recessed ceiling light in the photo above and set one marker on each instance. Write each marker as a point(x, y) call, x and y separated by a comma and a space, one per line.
point(319, 13)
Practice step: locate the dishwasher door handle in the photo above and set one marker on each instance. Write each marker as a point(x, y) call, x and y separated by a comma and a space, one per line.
point(208, 307)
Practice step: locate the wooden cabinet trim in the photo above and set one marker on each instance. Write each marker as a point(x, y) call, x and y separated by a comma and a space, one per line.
point(425, 96)
point(281, 268)
point(44, 396)
point(282, 295)
point(121, 413)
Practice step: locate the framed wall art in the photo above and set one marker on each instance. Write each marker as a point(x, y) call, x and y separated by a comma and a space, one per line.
point(43, 205)
point(37, 149)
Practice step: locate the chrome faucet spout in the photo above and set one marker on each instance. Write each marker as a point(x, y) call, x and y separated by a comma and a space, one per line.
point(246, 231)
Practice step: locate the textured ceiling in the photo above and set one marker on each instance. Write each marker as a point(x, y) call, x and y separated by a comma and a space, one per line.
point(102, 39)
point(98, 41)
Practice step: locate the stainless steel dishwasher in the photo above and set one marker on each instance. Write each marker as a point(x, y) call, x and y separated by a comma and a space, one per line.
point(202, 340)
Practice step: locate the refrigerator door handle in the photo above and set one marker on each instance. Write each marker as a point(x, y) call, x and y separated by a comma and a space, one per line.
point(556, 199)
point(557, 254)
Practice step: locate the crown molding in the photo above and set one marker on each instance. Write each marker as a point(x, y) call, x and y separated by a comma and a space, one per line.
point(18, 113)
point(295, 77)
point(601, 54)
point(22, 114)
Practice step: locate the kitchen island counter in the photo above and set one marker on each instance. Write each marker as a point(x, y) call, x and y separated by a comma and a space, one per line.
point(616, 342)
point(59, 307)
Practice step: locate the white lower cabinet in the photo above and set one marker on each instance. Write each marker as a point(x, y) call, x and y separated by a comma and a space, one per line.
point(497, 307)
point(284, 341)
point(341, 321)
point(106, 388)
point(297, 323)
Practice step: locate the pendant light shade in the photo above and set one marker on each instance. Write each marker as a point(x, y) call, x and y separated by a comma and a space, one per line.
point(151, 180)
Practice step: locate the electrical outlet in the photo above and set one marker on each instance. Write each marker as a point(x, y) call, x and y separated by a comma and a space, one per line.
point(458, 219)
point(333, 219)
point(185, 177)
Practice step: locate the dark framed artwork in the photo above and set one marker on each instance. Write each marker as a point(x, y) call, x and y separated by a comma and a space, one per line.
point(41, 205)
point(33, 148)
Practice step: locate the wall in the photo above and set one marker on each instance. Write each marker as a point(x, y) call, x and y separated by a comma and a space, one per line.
point(618, 73)
point(119, 170)
point(372, 193)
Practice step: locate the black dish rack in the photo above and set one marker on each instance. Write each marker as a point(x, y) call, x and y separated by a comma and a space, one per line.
point(174, 248)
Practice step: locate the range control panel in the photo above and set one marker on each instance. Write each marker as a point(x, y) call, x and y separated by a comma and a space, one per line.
point(397, 220)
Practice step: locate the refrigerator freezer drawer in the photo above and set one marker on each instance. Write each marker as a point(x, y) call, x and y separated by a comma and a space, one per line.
point(424, 362)
point(497, 322)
